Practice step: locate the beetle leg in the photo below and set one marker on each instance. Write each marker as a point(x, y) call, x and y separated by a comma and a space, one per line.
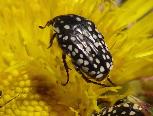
point(51, 39)
point(47, 24)
point(9, 101)
point(109, 80)
point(66, 68)
point(88, 80)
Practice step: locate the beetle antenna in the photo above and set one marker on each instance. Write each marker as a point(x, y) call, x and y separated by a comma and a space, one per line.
point(47, 24)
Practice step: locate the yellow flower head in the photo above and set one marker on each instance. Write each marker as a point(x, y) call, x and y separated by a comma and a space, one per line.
point(31, 75)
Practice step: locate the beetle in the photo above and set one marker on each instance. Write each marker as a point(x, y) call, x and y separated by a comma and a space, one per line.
point(122, 107)
point(79, 38)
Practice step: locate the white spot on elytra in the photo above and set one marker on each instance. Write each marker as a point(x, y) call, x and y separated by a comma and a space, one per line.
point(78, 19)
point(76, 50)
point(90, 58)
point(84, 44)
point(89, 28)
point(59, 36)
point(126, 105)
point(98, 72)
point(88, 49)
point(107, 64)
point(61, 21)
point(95, 65)
point(67, 27)
point(104, 51)
point(73, 38)
point(107, 56)
point(99, 35)
point(86, 33)
point(81, 55)
point(97, 60)
point(65, 37)
point(94, 36)
point(102, 69)
point(114, 111)
point(86, 62)
point(99, 76)
point(103, 42)
point(73, 53)
point(119, 105)
point(80, 61)
point(89, 23)
point(132, 113)
point(92, 72)
point(80, 46)
point(96, 44)
point(70, 47)
point(123, 112)
point(104, 57)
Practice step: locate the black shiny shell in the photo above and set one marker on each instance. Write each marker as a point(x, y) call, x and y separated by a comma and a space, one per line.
point(79, 37)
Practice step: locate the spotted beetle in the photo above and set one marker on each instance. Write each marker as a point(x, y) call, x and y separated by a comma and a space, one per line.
point(122, 107)
point(79, 38)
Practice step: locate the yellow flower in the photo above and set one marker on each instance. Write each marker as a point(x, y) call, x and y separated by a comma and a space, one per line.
point(33, 74)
